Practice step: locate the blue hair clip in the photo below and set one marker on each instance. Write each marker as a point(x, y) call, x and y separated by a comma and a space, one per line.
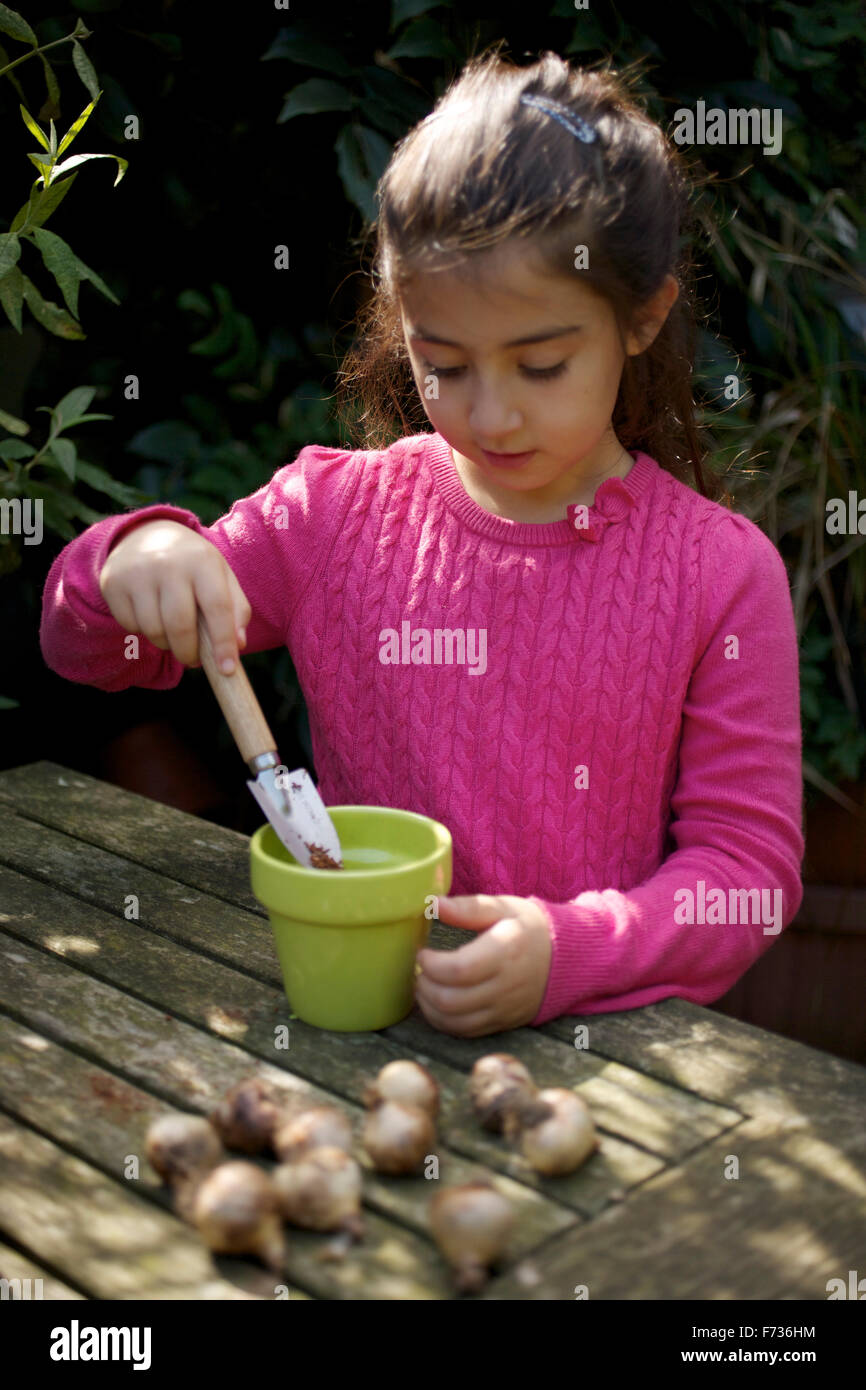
point(567, 118)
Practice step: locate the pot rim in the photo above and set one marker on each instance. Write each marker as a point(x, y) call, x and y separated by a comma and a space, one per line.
point(304, 872)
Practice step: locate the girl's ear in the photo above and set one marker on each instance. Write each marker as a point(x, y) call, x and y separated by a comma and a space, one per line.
point(651, 317)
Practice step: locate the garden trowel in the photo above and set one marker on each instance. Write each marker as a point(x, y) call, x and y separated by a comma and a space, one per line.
point(289, 799)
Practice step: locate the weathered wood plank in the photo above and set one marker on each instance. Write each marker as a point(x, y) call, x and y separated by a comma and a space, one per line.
point(695, 1048)
point(199, 920)
point(35, 1282)
point(104, 1119)
point(794, 1218)
point(142, 830)
point(94, 1112)
point(665, 1120)
point(191, 1069)
point(100, 1235)
point(729, 1062)
point(637, 1108)
point(233, 1005)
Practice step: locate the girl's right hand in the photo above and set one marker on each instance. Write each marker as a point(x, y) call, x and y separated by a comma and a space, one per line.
point(155, 579)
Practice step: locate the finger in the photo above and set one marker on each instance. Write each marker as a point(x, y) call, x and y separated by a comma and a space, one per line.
point(455, 1002)
point(215, 601)
point(148, 619)
point(474, 912)
point(123, 612)
point(468, 965)
point(178, 610)
point(463, 1026)
point(243, 612)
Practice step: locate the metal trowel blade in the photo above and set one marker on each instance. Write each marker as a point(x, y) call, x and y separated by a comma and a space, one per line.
point(298, 814)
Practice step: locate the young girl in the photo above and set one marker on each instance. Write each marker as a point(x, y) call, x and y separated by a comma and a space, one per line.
point(621, 770)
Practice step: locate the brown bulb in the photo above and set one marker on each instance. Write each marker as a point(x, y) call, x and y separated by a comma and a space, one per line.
point(236, 1209)
point(248, 1115)
point(398, 1137)
point(406, 1082)
point(324, 1126)
point(471, 1224)
point(179, 1145)
point(497, 1084)
point(556, 1131)
point(321, 1191)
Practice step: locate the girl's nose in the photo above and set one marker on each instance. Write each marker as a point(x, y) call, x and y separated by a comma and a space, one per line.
point(492, 416)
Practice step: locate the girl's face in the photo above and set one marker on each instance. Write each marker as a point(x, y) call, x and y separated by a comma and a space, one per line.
point(513, 362)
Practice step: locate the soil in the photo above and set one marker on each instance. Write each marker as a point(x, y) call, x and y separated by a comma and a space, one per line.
point(320, 858)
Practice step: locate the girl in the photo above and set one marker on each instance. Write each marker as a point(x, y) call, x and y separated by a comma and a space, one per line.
point(621, 773)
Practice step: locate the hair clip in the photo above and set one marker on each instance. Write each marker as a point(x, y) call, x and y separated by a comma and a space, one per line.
point(566, 117)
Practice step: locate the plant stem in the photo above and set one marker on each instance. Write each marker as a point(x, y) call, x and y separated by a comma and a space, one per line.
point(43, 48)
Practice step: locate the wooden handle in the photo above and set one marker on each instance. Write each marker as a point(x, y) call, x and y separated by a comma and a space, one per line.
point(237, 700)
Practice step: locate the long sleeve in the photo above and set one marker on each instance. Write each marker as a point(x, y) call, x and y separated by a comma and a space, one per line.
point(736, 810)
point(274, 540)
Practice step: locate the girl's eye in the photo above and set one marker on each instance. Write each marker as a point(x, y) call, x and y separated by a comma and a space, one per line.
point(541, 373)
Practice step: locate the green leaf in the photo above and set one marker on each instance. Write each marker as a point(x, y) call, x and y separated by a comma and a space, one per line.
point(313, 96)
point(43, 167)
point(170, 441)
point(49, 314)
point(83, 419)
point(219, 340)
point(423, 39)
point(41, 204)
point(34, 128)
point(74, 160)
point(13, 24)
point(395, 93)
point(12, 296)
point(401, 10)
point(194, 300)
point(13, 424)
point(10, 250)
point(16, 449)
point(6, 702)
point(51, 83)
point(243, 360)
point(300, 47)
point(70, 505)
point(67, 269)
point(85, 70)
point(76, 126)
point(65, 453)
point(101, 481)
point(54, 515)
point(215, 479)
point(75, 402)
point(362, 155)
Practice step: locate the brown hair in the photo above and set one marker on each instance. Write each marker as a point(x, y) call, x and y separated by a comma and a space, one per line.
point(483, 168)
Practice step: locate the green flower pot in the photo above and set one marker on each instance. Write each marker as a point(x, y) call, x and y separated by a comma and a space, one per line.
point(346, 938)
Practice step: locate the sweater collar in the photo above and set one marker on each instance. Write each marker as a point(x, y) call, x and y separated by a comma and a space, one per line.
point(614, 500)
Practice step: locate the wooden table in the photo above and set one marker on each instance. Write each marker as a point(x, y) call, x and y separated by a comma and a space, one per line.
point(108, 1020)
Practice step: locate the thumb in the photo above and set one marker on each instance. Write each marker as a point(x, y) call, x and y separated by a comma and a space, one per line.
point(474, 912)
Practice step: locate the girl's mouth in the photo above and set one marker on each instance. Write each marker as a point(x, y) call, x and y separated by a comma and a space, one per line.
point(508, 460)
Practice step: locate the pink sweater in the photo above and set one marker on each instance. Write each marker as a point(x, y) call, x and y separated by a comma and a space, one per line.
point(616, 733)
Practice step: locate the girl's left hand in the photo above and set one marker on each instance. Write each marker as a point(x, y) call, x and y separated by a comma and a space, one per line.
point(497, 981)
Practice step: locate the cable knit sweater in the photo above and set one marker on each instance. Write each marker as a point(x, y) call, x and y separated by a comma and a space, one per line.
point(616, 734)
